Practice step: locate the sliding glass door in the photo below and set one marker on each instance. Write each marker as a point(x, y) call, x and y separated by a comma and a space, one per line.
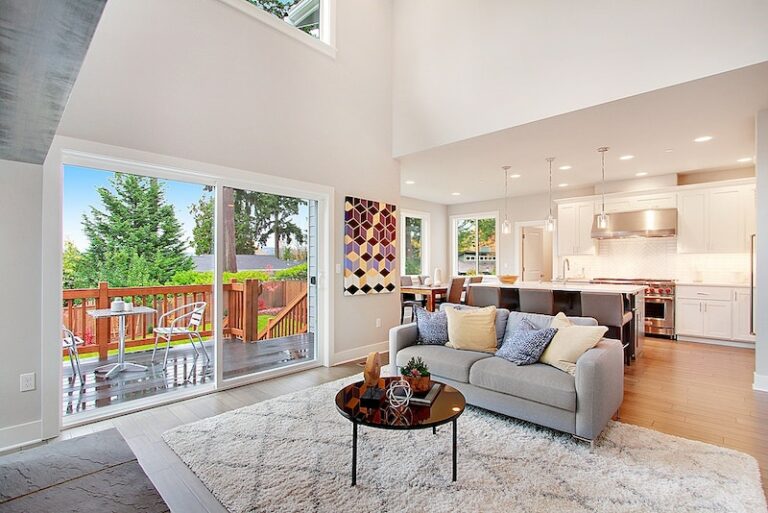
point(268, 272)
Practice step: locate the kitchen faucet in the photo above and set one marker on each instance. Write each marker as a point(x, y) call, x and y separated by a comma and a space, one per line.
point(566, 263)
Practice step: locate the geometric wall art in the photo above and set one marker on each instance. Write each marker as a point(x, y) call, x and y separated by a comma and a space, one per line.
point(370, 248)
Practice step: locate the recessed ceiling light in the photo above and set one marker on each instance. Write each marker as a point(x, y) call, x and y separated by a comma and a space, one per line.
point(455, 194)
point(409, 182)
point(565, 168)
point(514, 176)
point(626, 157)
point(562, 185)
point(641, 173)
point(703, 138)
point(745, 159)
point(668, 150)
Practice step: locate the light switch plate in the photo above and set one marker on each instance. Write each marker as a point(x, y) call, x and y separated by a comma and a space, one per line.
point(27, 382)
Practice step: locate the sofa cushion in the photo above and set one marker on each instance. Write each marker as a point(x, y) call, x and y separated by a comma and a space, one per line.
point(431, 327)
point(502, 316)
point(472, 330)
point(542, 321)
point(526, 344)
point(569, 344)
point(538, 382)
point(444, 361)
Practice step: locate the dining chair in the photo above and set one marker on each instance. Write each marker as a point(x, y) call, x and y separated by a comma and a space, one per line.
point(455, 290)
point(184, 320)
point(70, 341)
point(408, 300)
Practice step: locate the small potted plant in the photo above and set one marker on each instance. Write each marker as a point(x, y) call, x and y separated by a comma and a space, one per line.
point(416, 373)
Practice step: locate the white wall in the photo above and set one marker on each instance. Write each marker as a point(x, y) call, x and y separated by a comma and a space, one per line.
point(438, 231)
point(521, 208)
point(20, 224)
point(200, 81)
point(469, 67)
point(761, 203)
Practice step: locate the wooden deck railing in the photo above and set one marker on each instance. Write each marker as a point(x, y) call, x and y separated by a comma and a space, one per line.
point(241, 306)
point(292, 320)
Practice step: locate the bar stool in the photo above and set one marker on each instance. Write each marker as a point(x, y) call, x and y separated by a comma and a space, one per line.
point(484, 296)
point(537, 301)
point(608, 310)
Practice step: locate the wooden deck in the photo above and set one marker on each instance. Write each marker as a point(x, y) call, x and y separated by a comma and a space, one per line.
point(239, 359)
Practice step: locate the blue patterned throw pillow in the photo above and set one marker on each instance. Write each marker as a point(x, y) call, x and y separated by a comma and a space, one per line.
point(432, 327)
point(526, 344)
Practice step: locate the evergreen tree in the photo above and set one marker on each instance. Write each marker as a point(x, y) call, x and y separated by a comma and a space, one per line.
point(136, 239)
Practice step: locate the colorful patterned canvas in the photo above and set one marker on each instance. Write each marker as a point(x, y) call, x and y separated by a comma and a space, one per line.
point(370, 248)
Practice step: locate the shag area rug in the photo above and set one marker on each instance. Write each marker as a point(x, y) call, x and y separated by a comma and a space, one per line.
point(293, 453)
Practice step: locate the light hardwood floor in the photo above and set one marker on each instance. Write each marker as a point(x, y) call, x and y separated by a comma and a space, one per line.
point(690, 390)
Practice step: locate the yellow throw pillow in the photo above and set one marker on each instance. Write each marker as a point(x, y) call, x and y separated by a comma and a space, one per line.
point(560, 321)
point(472, 330)
point(569, 344)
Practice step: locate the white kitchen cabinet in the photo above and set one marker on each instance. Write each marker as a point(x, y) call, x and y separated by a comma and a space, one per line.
point(640, 202)
point(713, 220)
point(689, 317)
point(742, 311)
point(574, 228)
point(717, 319)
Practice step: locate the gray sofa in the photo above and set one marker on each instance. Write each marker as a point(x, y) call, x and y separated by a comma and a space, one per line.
point(580, 405)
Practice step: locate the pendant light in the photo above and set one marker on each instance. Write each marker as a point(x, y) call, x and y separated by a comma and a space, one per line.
point(550, 225)
point(506, 227)
point(602, 218)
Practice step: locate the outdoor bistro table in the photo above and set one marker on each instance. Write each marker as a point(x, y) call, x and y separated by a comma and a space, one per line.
point(111, 369)
point(431, 291)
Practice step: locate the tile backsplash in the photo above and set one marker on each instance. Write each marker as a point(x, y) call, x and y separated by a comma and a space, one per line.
point(658, 259)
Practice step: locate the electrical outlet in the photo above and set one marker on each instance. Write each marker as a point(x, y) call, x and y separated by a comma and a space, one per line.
point(27, 382)
point(378, 323)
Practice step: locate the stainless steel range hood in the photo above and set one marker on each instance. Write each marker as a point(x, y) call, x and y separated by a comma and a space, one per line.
point(660, 222)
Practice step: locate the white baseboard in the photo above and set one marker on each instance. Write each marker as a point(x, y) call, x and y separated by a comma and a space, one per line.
point(761, 382)
point(357, 353)
point(716, 342)
point(14, 437)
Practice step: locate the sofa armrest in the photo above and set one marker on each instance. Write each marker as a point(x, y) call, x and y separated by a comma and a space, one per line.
point(599, 387)
point(400, 337)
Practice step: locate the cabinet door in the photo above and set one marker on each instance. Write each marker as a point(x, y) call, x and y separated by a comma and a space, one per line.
point(617, 205)
point(742, 307)
point(717, 319)
point(656, 201)
point(691, 219)
point(725, 220)
point(749, 214)
point(585, 244)
point(566, 230)
point(688, 317)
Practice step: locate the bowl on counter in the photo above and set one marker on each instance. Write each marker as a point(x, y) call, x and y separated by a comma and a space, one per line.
point(508, 279)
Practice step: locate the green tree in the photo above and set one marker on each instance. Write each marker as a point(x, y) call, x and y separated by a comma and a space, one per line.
point(413, 246)
point(73, 271)
point(279, 8)
point(136, 238)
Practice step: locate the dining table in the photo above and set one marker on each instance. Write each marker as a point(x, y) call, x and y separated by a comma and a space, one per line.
point(112, 369)
point(432, 292)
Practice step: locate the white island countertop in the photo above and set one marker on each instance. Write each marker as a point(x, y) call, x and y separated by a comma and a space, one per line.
point(567, 286)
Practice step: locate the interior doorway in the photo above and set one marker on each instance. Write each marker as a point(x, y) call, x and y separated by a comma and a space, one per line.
point(535, 254)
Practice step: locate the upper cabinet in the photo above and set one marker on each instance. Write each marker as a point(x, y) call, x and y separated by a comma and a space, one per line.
point(715, 220)
point(574, 228)
point(641, 202)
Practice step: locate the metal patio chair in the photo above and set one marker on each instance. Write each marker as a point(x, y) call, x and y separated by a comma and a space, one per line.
point(184, 320)
point(70, 341)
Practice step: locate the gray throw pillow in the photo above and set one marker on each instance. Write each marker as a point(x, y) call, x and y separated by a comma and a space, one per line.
point(431, 327)
point(526, 345)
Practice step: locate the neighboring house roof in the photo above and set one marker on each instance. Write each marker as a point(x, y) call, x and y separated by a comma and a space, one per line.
point(246, 263)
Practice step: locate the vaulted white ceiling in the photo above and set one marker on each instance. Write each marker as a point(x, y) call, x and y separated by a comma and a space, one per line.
point(646, 126)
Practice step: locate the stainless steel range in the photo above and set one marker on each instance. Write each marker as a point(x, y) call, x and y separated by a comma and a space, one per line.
point(659, 304)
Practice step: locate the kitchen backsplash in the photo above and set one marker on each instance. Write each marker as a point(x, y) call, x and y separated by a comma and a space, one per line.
point(658, 259)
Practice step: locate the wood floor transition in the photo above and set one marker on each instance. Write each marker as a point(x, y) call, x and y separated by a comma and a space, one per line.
point(690, 390)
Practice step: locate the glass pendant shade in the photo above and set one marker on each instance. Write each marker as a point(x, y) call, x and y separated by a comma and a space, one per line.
point(550, 224)
point(602, 220)
point(506, 227)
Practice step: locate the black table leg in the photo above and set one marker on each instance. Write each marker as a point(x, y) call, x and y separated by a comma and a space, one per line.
point(354, 453)
point(454, 449)
point(434, 430)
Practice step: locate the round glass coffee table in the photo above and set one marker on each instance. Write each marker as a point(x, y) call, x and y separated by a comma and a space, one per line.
point(447, 407)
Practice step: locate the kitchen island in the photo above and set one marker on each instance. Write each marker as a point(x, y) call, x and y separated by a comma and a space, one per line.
point(566, 298)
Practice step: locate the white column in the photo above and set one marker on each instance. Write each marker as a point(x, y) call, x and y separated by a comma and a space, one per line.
point(761, 200)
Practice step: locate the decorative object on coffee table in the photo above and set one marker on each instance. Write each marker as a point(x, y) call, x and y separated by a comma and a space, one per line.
point(416, 373)
point(399, 392)
point(370, 252)
point(446, 408)
point(373, 394)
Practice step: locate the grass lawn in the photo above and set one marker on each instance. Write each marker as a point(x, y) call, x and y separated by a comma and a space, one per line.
point(263, 320)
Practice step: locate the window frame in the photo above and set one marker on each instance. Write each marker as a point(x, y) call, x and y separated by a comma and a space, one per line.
point(325, 43)
point(425, 239)
point(455, 245)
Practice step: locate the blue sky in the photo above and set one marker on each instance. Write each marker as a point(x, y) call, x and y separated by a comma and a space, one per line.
point(80, 192)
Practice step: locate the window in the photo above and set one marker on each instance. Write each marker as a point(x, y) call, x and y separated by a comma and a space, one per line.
point(474, 244)
point(414, 249)
point(302, 14)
